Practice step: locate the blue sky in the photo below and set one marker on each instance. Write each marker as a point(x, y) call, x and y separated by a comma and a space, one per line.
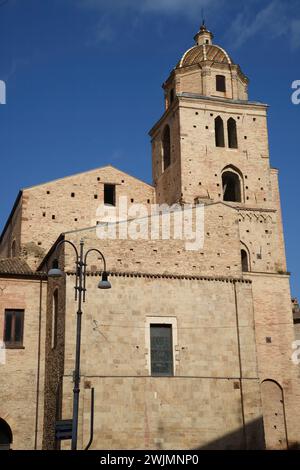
point(84, 85)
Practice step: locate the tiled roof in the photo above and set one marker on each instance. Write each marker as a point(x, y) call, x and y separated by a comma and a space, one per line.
point(202, 53)
point(14, 266)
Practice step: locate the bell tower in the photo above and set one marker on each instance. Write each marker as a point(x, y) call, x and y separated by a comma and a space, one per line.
point(211, 146)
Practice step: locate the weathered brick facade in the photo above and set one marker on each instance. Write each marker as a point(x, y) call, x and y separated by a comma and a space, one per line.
point(23, 370)
point(43, 212)
point(229, 305)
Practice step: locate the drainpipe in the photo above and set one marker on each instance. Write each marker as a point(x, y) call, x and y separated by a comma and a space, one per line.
point(240, 364)
point(38, 368)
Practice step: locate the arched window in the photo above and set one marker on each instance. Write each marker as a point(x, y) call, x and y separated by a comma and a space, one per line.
point(219, 132)
point(232, 134)
point(245, 261)
point(166, 148)
point(6, 436)
point(231, 183)
point(14, 249)
point(220, 83)
point(54, 319)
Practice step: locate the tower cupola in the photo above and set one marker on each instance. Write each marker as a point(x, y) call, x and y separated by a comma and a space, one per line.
point(203, 36)
point(206, 69)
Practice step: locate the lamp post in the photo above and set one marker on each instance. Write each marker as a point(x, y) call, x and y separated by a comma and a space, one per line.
point(80, 290)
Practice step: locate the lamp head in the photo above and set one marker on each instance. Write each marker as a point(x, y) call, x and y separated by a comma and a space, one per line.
point(55, 271)
point(104, 283)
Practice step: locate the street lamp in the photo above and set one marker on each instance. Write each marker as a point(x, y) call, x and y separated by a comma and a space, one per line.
point(80, 290)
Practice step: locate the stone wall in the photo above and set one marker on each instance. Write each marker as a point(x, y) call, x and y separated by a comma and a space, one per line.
point(22, 375)
point(275, 334)
point(213, 398)
point(54, 366)
point(66, 204)
point(219, 256)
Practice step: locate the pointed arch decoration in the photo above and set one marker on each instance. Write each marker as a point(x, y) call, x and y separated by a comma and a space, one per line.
point(245, 258)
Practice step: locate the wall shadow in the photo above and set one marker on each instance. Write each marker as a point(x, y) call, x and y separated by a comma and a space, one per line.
point(249, 438)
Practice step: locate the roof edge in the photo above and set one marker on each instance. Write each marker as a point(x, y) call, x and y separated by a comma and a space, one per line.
point(19, 196)
point(85, 172)
point(50, 252)
point(32, 276)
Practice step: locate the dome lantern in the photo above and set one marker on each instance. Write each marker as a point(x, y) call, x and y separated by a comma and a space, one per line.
point(203, 36)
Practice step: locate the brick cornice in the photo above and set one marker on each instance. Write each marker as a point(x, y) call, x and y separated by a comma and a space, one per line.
point(166, 276)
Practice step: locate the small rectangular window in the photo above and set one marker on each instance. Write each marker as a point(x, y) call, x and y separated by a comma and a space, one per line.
point(161, 343)
point(110, 194)
point(13, 328)
point(220, 83)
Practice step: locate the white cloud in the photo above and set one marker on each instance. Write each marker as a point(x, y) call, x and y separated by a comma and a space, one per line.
point(109, 12)
point(272, 21)
point(295, 34)
point(103, 32)
point(187, 7)
point(268, 20)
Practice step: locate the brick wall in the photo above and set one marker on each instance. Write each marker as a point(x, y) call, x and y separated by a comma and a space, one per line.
point(22, 375)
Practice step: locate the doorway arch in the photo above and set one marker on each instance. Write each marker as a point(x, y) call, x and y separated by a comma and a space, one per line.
point(6, 436)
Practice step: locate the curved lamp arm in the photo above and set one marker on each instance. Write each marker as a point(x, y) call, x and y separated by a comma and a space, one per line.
point(84, 267)
point(62, 242)
point(99, 253)
point(58, 246)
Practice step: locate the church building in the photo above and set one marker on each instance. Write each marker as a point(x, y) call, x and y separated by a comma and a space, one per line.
point(190, 348)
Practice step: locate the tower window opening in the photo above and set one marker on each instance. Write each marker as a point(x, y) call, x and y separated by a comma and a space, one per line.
point(219, 132)
point(245, 261)
point(172, 95)
point(220, 83)
point(166, 146)
point(231, 187)
point(110, 194)
point(232, 134)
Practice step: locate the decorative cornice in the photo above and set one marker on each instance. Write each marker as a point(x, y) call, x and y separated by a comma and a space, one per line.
point(252, 209)
point(167, 276)
point(190, 95)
